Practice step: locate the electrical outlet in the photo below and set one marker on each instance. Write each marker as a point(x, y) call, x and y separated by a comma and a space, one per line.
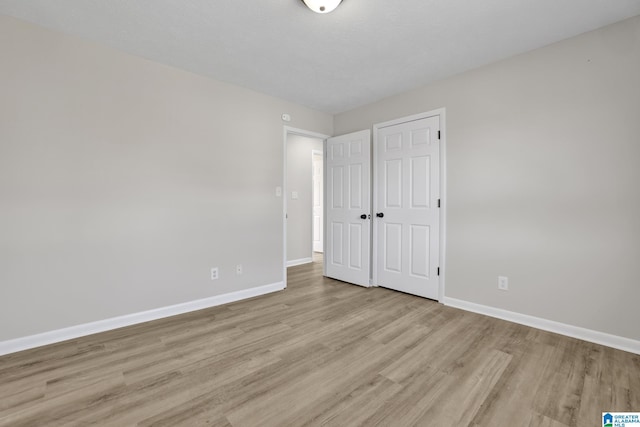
point(503, 283)
point(214, 273)
point(239, 269)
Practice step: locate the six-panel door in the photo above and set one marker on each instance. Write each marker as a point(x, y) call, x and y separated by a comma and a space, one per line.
point(407, 159)
point(348, 178)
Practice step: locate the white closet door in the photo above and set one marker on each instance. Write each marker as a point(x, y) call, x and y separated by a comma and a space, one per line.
point(407, 228)
point(348, 192)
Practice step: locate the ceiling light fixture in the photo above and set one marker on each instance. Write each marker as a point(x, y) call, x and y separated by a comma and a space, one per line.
point(322, 6)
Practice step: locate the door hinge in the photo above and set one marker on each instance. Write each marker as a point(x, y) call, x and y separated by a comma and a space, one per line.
point(438, 134)
point(438, 202)
point(438, 271)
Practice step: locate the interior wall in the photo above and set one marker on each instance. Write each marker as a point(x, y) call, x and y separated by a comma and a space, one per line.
point(123, 181)
point(299, 180)
point(542, 178)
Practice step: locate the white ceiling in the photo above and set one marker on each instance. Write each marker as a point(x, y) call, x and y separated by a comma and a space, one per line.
point(364, 51)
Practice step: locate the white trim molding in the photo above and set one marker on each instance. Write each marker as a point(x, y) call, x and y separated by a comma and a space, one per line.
point(614, 341)
point(300, 261)
point(51, 337)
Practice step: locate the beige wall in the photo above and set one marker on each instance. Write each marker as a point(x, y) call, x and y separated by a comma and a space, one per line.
point(299, 211)
point(543, 175)
point(122, 182)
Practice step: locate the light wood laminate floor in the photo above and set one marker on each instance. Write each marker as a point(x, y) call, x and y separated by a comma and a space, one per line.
point(321, 352)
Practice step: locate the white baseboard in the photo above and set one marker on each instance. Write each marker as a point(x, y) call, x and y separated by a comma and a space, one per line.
point(25, 343)
point(602, 338)
point(300, 261)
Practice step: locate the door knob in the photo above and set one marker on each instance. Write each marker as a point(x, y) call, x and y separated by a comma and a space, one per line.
point(380, 215)
point(363, 216)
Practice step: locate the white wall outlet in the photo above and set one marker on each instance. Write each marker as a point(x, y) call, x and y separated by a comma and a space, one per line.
point(239, 269)
point(294, 195)
point(503, 283)
point(214, 273)
point(278, 191)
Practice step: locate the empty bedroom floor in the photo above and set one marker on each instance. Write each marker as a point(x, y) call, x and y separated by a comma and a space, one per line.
point(321, 352)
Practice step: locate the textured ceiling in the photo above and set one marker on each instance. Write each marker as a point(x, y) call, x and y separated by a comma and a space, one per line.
point(364, 51)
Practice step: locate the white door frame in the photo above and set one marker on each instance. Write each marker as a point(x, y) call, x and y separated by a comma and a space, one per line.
point(287, 130)
point(443, 190)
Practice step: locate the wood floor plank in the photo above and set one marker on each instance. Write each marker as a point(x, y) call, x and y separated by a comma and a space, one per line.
point(62, 407)
point(321, 352)
point(512, 397)
point(463, 397)
point(538, 420)
point(356, 406)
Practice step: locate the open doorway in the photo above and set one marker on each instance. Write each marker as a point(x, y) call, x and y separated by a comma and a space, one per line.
point(303, 196)
point(317, 178)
